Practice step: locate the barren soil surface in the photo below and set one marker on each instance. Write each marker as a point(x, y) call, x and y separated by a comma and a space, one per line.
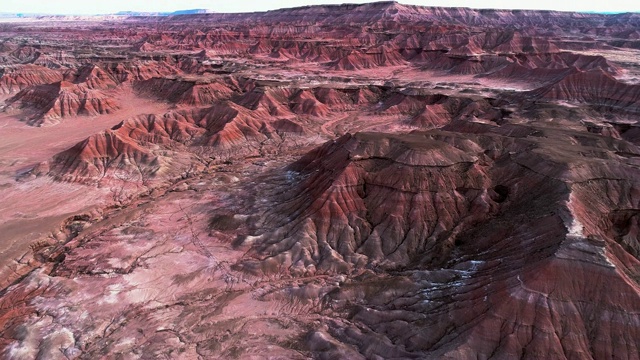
point(376, 181)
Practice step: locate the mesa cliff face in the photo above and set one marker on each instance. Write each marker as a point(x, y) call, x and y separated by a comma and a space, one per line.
point(361, 181)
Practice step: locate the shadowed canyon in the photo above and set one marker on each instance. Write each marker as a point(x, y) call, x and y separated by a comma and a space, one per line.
point(376, 181)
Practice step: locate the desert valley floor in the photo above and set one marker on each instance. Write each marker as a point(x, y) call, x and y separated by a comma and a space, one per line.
point(374, 181)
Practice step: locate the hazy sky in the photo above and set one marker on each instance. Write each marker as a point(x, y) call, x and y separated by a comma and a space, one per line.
point(112, 6)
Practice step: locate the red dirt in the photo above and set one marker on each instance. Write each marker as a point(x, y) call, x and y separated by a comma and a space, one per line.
point(351, 181)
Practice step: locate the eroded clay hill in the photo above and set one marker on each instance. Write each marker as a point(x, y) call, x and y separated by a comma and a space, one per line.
point(367, 181)
point(452, 210)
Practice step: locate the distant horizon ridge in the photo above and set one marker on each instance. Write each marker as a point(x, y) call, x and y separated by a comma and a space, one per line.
point(195, 11)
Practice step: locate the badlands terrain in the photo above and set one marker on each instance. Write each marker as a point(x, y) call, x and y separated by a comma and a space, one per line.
point(373, 181)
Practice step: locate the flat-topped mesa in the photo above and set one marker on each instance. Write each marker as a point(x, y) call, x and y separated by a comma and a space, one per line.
point(537, 67)
point(490, 41)
point(372, 12)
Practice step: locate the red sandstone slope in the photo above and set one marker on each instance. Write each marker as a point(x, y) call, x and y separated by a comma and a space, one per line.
point(140, 70)
point(136, 150)
point(441, 110)
point(17, 78)
point(370, 58)
point(95, 156)
point(165, 144)
point(448, 214)
point(595, 88)
point(337, 99)
point(93, 77)
point(271, 101)
point(305, 102)
point(193, 93)
point(62, 99)
point(437, 110)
